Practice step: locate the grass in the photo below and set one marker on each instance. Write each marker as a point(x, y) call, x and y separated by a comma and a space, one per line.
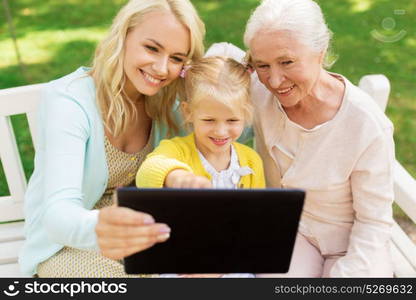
point(55, 37)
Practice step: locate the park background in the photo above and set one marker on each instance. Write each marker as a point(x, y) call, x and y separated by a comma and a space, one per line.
point(370, 37)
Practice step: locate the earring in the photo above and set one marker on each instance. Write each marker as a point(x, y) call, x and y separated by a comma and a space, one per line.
point(185, 68)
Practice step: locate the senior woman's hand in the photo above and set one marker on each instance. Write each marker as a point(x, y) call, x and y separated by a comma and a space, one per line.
point(122, 231)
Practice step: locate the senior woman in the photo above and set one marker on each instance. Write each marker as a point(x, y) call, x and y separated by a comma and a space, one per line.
point(319, 132)
point(96, 127)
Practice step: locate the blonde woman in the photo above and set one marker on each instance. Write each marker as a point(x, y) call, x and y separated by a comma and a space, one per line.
point(95, 127)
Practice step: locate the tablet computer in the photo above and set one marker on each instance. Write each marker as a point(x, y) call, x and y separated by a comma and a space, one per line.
point(217, 231)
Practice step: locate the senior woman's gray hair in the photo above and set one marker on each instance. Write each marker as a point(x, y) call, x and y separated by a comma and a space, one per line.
point(303, 18)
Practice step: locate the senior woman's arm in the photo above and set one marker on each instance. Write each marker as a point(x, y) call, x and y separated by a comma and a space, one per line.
point(372, 191)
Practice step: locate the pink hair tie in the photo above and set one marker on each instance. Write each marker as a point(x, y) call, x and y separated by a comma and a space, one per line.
point(249, 68)
point(246, 62)
point(182, 74)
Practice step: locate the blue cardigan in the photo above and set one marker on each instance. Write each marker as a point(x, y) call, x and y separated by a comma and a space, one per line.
point(70, 173)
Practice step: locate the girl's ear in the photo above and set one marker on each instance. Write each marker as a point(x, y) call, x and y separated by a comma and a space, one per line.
point(186, 111)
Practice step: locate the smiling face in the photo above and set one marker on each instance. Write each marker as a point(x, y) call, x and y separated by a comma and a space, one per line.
point(152, 57)
point(215, 125)
point(285, 66)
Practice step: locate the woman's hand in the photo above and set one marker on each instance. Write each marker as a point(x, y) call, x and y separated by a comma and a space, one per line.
point(180, 178)
point(122, 231)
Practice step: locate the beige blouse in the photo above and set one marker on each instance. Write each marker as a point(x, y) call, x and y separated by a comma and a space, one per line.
point(346, 167)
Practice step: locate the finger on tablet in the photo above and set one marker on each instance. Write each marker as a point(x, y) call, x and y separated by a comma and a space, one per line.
point(134, 231)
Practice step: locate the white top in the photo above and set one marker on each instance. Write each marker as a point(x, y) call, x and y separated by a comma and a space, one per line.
point(229, 178)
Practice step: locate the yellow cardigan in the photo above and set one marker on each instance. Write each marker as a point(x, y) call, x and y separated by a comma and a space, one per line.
point(181, 153)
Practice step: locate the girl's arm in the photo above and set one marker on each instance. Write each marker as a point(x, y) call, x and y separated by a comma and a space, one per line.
point(166, 167)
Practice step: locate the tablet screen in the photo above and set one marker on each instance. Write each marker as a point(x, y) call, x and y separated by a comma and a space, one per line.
point(217, 231)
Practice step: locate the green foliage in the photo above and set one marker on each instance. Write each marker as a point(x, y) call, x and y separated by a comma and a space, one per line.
point(55, 37)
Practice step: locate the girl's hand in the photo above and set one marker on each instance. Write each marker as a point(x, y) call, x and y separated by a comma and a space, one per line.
point(122, 231)
point(179, 178)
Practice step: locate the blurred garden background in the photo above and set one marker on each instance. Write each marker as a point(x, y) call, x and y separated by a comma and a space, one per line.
point(370, 37)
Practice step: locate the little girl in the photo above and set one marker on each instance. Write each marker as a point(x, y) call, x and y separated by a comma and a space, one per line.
point(216, 106)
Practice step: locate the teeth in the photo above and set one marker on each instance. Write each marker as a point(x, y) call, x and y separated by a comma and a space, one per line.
point(151, 79)
point(285, 90)
point(219, 140)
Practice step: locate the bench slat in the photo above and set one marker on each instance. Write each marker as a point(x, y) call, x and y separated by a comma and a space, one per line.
point(11, 232)
point(9, 252)
point(11, 161)
point(20, 100)
point(406, 246)
point(405, 191)
point(402, 267)
point(378, 87)
point(10, 210)
point(11, 271)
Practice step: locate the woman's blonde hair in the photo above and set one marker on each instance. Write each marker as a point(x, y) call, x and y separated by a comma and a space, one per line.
point(116, 108)
point(222, 79)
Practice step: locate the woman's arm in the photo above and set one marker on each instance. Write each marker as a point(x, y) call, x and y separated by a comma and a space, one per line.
point(63, 134)
point(372, 191)
point(64, 131)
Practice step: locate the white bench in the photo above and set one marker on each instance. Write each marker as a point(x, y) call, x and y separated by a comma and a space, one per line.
point(25, 99)
point(403, 248)
point(14, 101)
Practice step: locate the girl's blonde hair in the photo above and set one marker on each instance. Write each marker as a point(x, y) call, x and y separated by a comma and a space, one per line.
point(116, 108)
point(222, 79)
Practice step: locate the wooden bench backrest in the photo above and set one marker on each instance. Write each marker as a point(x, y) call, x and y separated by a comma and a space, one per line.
point(403, 249)
point(378, 86)
point(14, 101)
